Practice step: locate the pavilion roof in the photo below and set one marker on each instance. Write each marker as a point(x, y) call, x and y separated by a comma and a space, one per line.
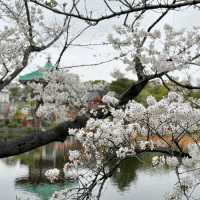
point(37, 74)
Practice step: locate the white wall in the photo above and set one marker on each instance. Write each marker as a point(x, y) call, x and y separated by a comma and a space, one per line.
point(4, 96)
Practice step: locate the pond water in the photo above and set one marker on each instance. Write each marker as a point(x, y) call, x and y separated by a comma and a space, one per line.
point(22, 177)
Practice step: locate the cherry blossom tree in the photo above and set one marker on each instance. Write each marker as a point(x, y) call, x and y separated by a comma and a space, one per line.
point(108, 134)
point(25, 31)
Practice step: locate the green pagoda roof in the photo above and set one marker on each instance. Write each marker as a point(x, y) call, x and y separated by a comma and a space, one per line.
point(38, 74)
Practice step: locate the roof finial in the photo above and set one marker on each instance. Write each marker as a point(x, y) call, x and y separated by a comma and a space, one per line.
point(49, 65)
point(48, 58)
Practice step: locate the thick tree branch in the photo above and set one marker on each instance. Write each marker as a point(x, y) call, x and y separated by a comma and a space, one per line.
point(121, 12)
point(34, 140)
point(60, 133)
point(30, 31)
point(164, 150)
point(26, 55)
point(134, 90)
point(8, 80)
point(7, 71)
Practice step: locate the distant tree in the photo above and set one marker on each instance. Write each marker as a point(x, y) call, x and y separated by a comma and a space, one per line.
point(120, 85)
point(157, 90)
point(15, 93)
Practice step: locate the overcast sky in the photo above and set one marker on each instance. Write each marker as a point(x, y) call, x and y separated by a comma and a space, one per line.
point(98, 34)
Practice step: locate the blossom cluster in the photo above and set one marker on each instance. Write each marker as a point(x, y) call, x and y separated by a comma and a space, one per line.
point(124, 152)
point(52, 174)
point(118, 133)
point(62, 93)
point(107, 99)
point(71, 168)
point(159, 161)
point(185, 162)
point(159, 50)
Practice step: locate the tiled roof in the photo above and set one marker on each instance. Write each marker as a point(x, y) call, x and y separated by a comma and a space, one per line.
point(36, 75)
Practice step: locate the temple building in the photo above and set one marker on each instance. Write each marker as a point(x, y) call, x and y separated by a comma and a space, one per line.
point(34, 76)
point(37, 75)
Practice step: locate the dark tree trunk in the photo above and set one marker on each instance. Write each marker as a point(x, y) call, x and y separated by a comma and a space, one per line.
point(34, 140)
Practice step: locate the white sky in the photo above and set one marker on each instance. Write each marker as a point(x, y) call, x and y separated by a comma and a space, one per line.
point(98, 34)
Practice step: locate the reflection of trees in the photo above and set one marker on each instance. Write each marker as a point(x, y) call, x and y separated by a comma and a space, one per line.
point(126, 173)
point(11, 161)
point(38, 161)
point(127, 170)
point(55, 155)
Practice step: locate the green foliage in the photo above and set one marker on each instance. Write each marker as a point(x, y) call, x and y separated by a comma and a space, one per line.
point(152, 89)
point(15, 93)
point(51, 3)
point(18, 111)
point(194, 93)
point(13, 124)
point(97, 82)
point(121, 85)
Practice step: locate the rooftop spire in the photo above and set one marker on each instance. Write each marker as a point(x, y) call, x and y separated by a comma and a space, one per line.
point(49, 59)
point(49, 65)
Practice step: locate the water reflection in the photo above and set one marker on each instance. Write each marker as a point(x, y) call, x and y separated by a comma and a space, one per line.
point(128, 171)
point(27, 174)
point(36, 162)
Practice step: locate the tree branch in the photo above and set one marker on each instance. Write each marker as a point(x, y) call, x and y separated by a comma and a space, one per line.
point(134, 90)
point(34, 140)
point(187, 86)
point(29, 23)
point(121, 12)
